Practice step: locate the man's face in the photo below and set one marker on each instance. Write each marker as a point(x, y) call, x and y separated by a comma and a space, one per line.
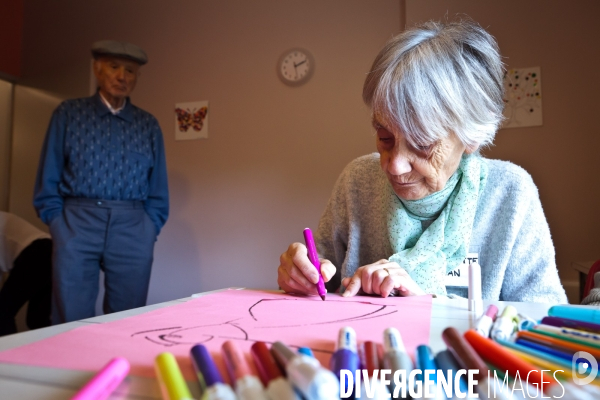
point(116, 77)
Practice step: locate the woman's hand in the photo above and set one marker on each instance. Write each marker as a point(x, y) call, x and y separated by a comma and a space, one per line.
point(381, 278)
point(296, 274)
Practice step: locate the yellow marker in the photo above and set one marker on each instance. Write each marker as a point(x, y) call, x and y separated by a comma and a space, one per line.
point(172, 384)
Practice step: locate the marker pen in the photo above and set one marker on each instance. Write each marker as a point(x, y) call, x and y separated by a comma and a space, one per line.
point(484, 325)
point(172, 384)
point(505, 325)
point(475, 297)
point(524, 323)
point(211, 382)
point(548, 358)
point(105, 381)
point(468, 359)
point(571, 323)
point(306, 374)
point(247, 386)
point(445, 362)
point(345, 355)
point(395, 359)
point(372, 386)
point(574, 335)
point(314, 259)
point(561, 344)
point(545, 349)
point(306, 351)
point(425, 362)
point(278, 388)
point(576, 312)
point(504, 360)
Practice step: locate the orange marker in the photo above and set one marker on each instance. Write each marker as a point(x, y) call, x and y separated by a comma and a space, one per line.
point(558, 343)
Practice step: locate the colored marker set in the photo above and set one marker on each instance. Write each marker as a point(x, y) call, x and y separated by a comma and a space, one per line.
point(564, 344)
point(306, 378)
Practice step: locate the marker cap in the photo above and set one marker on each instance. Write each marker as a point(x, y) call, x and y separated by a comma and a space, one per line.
point(392, 340)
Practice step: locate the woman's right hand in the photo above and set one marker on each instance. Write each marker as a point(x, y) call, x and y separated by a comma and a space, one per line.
point(296, 274)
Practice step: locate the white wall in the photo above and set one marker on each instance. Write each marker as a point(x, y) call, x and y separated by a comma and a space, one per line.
point(265, 173)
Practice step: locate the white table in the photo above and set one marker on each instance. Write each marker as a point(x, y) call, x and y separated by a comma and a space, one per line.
point(27, 382)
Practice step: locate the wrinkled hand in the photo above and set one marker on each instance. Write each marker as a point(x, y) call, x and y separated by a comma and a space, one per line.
point(296, 274)
point(382, 278)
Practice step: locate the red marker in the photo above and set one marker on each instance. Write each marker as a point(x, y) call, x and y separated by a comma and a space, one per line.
point(468, 359)
point(277, 386)
point(373, 386)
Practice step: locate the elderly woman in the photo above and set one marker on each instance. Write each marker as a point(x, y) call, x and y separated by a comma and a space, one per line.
point(398, 222)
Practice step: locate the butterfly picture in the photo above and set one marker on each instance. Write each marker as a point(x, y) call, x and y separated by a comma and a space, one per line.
point(190, 118)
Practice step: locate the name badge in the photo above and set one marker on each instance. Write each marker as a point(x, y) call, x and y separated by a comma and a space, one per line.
point(460, 276)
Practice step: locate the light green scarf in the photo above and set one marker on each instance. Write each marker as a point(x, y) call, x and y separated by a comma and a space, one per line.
point(429, 255)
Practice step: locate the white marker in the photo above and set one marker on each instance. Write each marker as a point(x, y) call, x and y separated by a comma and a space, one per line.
point(505, 324)
point(475, 297)
point(306, 374)
point(395, 357)
point(484, 325)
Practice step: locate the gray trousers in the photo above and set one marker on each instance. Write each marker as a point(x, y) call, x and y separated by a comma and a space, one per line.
point(90, 235)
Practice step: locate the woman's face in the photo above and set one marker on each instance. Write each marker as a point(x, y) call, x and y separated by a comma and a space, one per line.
point(416, 172)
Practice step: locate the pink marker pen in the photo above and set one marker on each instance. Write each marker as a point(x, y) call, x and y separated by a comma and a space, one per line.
point(105, 381)
point(314, 259)
point(484, 325)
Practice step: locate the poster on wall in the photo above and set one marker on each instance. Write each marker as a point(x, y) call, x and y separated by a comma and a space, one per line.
point(191, 120)
point(522, 97)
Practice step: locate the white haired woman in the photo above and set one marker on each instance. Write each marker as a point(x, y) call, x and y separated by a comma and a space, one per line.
point(399, 221)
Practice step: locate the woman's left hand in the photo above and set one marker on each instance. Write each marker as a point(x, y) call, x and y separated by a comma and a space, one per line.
point(381, 278)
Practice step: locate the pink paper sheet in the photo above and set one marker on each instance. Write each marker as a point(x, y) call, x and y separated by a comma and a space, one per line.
point(244, 316)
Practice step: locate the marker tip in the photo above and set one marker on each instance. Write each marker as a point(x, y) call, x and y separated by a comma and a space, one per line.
point(322, 297)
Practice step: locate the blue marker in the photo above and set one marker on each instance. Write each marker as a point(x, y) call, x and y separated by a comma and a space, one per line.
point(446, 362)
point(546, 349)
point(426, 363)
point(345, 356)
point(579, 313)
point(306, 351)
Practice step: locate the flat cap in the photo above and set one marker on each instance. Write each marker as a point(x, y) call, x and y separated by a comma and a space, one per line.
point(119, 49)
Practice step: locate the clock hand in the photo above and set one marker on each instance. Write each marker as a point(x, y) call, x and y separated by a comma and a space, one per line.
point(300, 63)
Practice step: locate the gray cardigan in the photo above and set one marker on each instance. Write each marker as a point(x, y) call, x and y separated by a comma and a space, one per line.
point(510, 232)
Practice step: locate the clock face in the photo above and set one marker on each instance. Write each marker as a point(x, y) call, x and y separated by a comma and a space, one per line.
point(295, 66)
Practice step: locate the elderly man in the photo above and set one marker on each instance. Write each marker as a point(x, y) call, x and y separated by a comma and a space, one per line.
point(102, 189)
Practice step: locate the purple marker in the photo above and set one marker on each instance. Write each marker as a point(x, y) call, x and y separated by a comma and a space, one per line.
point(346, 354)
point(571, 323)
point(314, 259)
point(210, 379)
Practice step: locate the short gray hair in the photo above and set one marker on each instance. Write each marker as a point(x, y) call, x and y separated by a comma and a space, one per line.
point(438, 78)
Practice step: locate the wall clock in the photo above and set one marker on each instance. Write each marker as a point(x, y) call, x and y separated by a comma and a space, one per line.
point(295, 67)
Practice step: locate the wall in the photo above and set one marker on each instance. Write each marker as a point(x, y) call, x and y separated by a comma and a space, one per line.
point(241, 196)
point(28, 136)
point(562, 38)
point(6, 98)
point(11, 33)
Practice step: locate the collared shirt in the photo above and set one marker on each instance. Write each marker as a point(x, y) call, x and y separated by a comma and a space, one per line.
point(91, 153)
point(114, 111)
